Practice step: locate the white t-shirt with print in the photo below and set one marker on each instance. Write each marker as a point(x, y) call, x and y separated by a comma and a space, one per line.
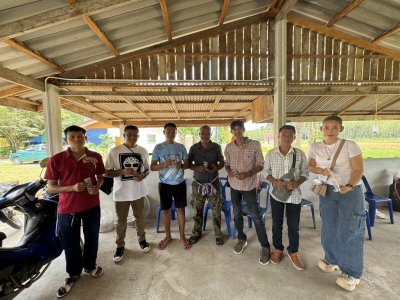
point(342, 169)
point(120, 157)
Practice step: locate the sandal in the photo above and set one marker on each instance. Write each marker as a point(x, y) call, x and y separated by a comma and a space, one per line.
point(96, 272)
point(68, 284)
point(187, 245)
point(164, 243)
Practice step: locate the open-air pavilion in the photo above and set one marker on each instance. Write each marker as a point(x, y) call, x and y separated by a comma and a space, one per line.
point(195, 62)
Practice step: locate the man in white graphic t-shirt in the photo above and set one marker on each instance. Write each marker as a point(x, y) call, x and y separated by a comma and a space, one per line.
point(128, 164)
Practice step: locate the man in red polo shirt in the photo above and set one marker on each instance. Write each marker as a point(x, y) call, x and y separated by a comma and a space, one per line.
point(77, 174)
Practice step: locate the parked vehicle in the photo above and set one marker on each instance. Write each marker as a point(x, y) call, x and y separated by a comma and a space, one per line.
point(32, 153)
point(9, 215)
point(24, 264)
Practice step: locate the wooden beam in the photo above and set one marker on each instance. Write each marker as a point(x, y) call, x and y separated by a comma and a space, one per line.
point(81, 111)
point(174, 106)
point(387, 33)
point(165, 46)
point(22, 100)
point(214, 106)
point(59, 15)
point(9, 102)
point(158, 93)
point(17, 89)
point(273, 7)
point(309, 105)
point(243, 111)
point(383, 107)
point(284, 9)
point(22, 48)
point(71, 2)
point(343, 36)
point(135, 106)
point(82, 101)
point(164, 10)
point(224, 11)
point(352, 103)
point(179, 123)
point(100, 34)
point(349, 7)
point(18, 78)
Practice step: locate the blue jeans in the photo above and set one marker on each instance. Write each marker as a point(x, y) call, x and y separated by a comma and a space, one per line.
point(69, 231)
point(342, 229)
point(254, 209)
point(292, 220)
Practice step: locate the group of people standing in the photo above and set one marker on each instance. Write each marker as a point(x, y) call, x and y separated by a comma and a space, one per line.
point(77, 175)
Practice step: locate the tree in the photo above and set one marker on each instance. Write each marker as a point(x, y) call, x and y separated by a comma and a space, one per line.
point(17, 126)
point(69, 118)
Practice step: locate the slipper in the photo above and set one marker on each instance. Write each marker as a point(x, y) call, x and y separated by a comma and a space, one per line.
point(164, 243)
point(187, 245)
point(64, 289)
point(96, 272)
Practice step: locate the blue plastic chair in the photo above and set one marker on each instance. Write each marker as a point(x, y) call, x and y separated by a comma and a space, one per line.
point(374, 201)
point(226, 207)
point(308, 203)
point(263, 210)
point(173, 215)
point(368, 223)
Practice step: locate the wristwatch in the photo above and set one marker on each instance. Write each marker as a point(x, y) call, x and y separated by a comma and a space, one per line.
point(351, 186)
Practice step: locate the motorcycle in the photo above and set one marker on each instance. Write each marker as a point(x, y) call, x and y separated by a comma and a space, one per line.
point(24, 264)
point(9, 215)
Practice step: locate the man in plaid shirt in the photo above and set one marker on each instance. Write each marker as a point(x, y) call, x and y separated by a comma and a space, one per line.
point(279, 163)
point(244, 160)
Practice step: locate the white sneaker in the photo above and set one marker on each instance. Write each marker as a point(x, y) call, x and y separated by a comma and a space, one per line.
point(327, 267)
point(380, 215)
point(347, 282)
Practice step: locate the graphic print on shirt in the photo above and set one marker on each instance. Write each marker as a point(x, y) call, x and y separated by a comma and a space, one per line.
point(133, 161)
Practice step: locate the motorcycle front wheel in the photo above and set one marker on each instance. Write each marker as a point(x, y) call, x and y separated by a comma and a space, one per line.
point(9, 216)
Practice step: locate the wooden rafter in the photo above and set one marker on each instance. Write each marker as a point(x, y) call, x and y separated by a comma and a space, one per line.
point(164, 10)
point(214, 106)
point(100, 34)
point(224, 11)
point(71, 2)
point(24, 49)
point(6, 101)
point(179, 123)
point(383, 107)
point(309, 105)
point(349, 7)
point(18, 78)
point(129, 57)
point(284, 8)
point(273, 6)
point(243, 111)
point(387, 33)
point(17, 89)
point(49, 18)
point(84, 102)
point(343, 36)
point(135, 106)
point(352, 103)
point(174, 106)
point(22, 100)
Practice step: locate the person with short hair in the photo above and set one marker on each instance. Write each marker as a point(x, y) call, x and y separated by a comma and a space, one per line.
point(286, 168)
point(342, 208)
point(205, 159)
point(76, 174)
point(170, 159)
point(128, 164)
point(243, 160)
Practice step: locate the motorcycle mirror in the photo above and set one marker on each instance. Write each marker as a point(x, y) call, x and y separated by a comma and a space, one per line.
point(43, 162)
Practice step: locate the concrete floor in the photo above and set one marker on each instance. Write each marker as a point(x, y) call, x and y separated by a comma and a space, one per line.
point(208, 271)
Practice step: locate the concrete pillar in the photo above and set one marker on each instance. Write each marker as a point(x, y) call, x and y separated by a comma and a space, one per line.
point(280, 79)
point(52, 120)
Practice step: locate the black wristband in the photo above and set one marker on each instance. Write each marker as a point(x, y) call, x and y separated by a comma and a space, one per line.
point(350, 185)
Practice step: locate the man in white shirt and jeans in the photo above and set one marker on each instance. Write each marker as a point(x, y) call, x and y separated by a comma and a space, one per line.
point(128, 164)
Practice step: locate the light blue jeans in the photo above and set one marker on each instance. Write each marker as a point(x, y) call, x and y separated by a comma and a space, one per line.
point(342, 229)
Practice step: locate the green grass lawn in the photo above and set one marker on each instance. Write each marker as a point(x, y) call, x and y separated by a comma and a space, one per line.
point(26, 172)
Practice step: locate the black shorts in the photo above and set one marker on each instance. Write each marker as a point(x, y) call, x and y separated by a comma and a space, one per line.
point(168, 191)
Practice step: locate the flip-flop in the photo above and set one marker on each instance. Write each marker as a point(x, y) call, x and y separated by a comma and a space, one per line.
point(163, 244)
point(187, 245)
